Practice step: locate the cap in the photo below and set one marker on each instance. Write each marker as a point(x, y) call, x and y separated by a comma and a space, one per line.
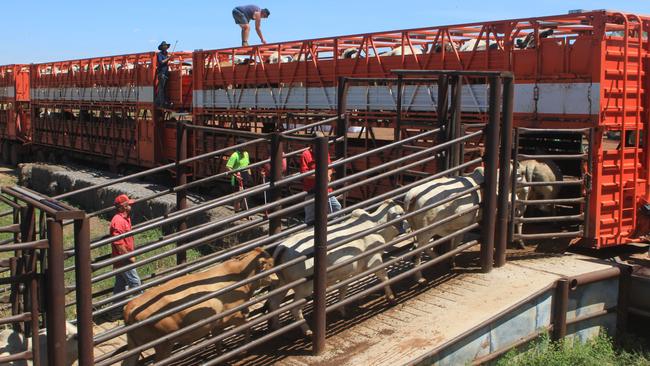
point(122, 199)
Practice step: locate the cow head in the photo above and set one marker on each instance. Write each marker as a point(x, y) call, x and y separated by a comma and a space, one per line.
point(265, 263)
point(524, 174)
point(391, 210)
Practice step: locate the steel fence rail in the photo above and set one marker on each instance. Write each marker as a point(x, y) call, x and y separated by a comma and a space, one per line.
point(120, 330)
point(208, 320)
point(347, 239)
point(185, 161)
point(201, 263)
point(281, 212)
point(217, 360)
point(399, 239)
point(439, 259)
point(411, 253)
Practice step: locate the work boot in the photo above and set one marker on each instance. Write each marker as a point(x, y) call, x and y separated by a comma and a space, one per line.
point(244, 44)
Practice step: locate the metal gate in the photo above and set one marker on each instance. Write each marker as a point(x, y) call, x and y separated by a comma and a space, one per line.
point(570, 151)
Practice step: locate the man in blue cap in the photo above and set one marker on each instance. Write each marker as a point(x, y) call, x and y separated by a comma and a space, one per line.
point(244, 14)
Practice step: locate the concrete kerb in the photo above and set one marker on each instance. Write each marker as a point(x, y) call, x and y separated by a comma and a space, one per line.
point(56, 179)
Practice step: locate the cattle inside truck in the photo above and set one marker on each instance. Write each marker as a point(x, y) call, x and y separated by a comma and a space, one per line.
point(14, 110)
point(579, 70)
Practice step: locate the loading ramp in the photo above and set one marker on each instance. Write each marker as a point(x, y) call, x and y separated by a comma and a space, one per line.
point(463, 317)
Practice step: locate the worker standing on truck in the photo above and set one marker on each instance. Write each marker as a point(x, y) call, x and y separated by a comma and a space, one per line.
point(121, 224)
point(244, 14)
point(240, 179)
point(162, 73)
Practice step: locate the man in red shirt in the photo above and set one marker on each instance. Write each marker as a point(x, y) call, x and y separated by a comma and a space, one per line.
point(307, 163)
point(120, 224)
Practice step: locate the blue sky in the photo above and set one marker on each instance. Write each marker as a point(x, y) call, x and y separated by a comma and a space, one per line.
point(40, 30)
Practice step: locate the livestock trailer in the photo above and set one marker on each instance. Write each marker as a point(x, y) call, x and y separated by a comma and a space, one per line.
point(14, 110)
point(104, 106)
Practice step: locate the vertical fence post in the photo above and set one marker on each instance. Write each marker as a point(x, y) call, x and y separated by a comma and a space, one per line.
point(504, 173)
point(16, 218)
point(441, 111)
point(14, 296)
point(27, 224)
point(181, 179)
point(513, 182)
point(19, 265)
point(320, 246)
point(55, 313)
point(34, 309)
point(560, 307)
point(83, 274)
point(397, 133)
point(454, 125)
point(624, 279)
point(341, 144)
point(586, 228)
point(491, 162)
point(275, 224)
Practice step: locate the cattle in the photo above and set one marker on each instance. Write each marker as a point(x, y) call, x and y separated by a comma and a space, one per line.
point(542, 171)
point(275, 58)
point(244, 61)
point(449, 47)
point(529, 40)
point(351, 52)
point(12, 342)
point(303, 243)
point(480, 45)
point(427, 194)
point(183, 289)
point(406, 50)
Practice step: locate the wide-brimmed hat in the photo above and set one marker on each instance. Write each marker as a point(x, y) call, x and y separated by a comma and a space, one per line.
point(122, 199)
point(162, 45)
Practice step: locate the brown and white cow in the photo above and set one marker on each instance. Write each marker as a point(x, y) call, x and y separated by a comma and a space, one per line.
point(186, 288)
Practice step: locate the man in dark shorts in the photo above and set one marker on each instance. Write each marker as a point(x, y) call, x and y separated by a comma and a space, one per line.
point(244, 14)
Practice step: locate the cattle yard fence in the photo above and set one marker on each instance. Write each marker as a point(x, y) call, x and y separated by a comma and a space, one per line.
point(71, 267)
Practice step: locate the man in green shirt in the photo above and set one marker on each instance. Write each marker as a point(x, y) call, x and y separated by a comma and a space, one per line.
point(241, 179)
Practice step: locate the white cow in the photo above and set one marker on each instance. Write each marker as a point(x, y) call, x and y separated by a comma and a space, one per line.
point(529, 40)
point(542, 171)
point(429, 193)
point(274, 58)
point(12, 342)
point(406, 50)
point(303, 244)
point(351, 52)
point(479, 44)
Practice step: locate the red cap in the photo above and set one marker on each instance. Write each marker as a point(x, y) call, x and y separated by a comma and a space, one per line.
point(122, 199)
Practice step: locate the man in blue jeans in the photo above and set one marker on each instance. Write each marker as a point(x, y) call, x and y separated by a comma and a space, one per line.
point(120, 224)
point(307, 163)
point(244, 14)
point(162, 73)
